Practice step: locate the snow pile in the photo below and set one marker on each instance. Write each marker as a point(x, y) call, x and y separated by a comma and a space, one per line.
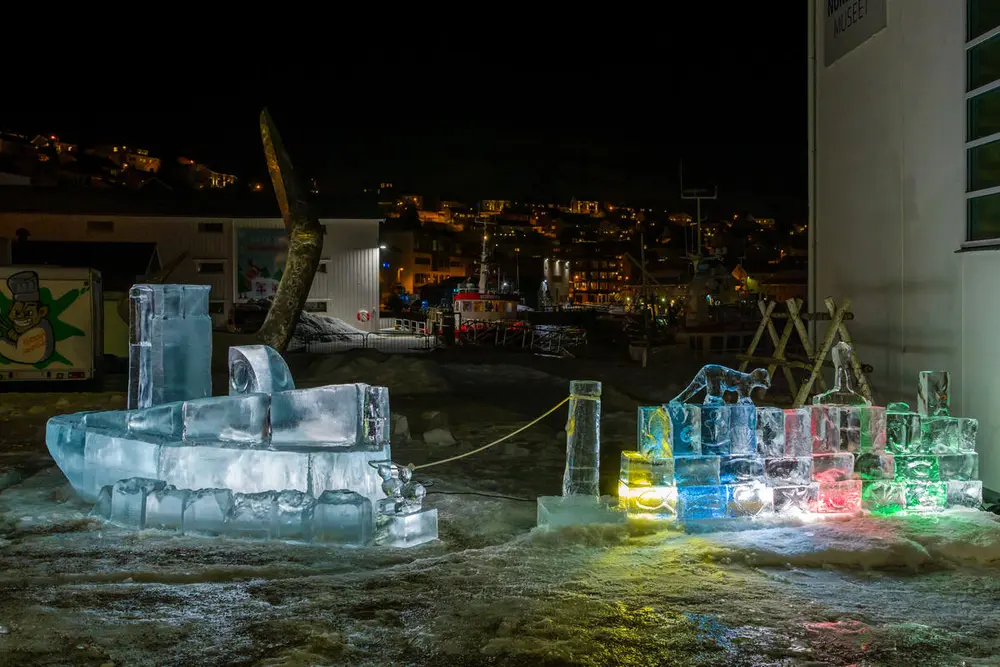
point(313, 327)
point(960, 538)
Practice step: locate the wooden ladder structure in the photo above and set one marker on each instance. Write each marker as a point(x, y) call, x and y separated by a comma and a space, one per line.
point(813, 362)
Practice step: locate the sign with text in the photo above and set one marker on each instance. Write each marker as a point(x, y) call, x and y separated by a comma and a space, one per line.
point(848, 23)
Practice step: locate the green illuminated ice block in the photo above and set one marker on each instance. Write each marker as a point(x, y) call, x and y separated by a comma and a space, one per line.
point(902, 429)
point(883, 496)
point(926, 496)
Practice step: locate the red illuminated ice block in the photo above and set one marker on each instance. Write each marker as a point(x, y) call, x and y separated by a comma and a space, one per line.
point(840, 497)
point(828, 468)
point(825, 429)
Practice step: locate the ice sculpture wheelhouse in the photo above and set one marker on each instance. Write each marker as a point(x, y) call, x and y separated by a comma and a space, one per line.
point(268, 461)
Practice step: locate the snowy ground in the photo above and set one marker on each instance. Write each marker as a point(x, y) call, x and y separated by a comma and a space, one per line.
point(897, 591)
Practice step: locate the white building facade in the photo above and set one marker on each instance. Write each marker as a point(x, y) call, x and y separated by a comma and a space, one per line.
point(905, 193)
point(240, 258)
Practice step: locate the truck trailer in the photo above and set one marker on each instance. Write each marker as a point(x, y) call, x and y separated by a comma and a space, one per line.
point(50, 323)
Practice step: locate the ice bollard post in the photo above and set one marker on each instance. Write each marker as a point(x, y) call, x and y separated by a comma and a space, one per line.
point(580, 502)
point(170, 344)
point(583, 440)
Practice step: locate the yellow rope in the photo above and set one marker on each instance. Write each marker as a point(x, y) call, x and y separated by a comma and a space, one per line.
point(509, 435)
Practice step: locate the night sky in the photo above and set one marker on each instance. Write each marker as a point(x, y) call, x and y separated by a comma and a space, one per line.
point(539, 116)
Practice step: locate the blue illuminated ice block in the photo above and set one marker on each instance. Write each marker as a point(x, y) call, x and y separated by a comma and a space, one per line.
point(170, 344)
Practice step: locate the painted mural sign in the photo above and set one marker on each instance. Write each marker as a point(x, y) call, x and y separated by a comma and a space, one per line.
point(848, 23)
point(34, 321)
point(260, 261)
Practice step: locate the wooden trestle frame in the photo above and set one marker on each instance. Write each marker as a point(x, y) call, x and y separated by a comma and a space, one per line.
point(836, 315)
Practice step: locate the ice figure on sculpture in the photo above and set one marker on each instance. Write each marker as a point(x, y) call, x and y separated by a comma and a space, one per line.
point(400, 520)
point(716, 380)
point(842, 392)
point(267, 460)
point(933, 394)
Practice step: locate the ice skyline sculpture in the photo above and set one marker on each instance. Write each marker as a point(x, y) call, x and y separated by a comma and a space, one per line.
point(259, 446)
point(581, 500)
point(837, 456)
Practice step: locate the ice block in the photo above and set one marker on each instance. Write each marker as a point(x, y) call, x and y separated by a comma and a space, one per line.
point(654, 431)
point(583, 440)
point(685, 429)
point(771, 433)
point(170, 344)
point(343, 517)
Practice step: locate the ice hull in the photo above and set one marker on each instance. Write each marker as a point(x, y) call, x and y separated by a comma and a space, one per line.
point(92, 458)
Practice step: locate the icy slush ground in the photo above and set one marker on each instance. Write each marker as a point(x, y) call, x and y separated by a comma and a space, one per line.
point(908, 591)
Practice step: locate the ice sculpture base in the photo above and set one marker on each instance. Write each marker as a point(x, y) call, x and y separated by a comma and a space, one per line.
point(338, 517)
point(406, 529)
point(560, 511)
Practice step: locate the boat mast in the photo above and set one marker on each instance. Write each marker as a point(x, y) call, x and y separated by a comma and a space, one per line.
point(483, 270)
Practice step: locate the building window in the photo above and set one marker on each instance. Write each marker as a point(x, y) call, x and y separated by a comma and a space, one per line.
point(103, 226)
point(983, 66)
point(210, 227)
point(983, 16)
point(422, 260)
point(983, 121)
point(323, 267)
point(211, 267)
point(315, 306)
point(216, 307)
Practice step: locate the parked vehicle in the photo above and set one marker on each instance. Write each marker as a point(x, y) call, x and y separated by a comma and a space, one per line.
point(51, 323)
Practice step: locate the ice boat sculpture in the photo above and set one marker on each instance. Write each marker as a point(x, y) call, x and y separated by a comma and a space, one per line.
point(837, 456)
point(268, 460)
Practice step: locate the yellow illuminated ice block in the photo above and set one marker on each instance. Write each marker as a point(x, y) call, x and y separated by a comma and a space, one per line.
point(660, 501)
point(639, 470)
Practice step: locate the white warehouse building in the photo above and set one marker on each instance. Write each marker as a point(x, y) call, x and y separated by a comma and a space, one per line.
point(904, 129)
point(234, 246)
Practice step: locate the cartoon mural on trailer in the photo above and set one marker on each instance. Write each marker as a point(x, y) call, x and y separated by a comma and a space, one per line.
point(30, 326)
point(260, 262)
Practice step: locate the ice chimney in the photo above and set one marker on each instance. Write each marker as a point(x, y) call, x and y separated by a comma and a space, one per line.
point(170, 344)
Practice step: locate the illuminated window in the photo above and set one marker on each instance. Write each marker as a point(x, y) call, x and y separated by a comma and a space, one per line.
point(209, 267)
